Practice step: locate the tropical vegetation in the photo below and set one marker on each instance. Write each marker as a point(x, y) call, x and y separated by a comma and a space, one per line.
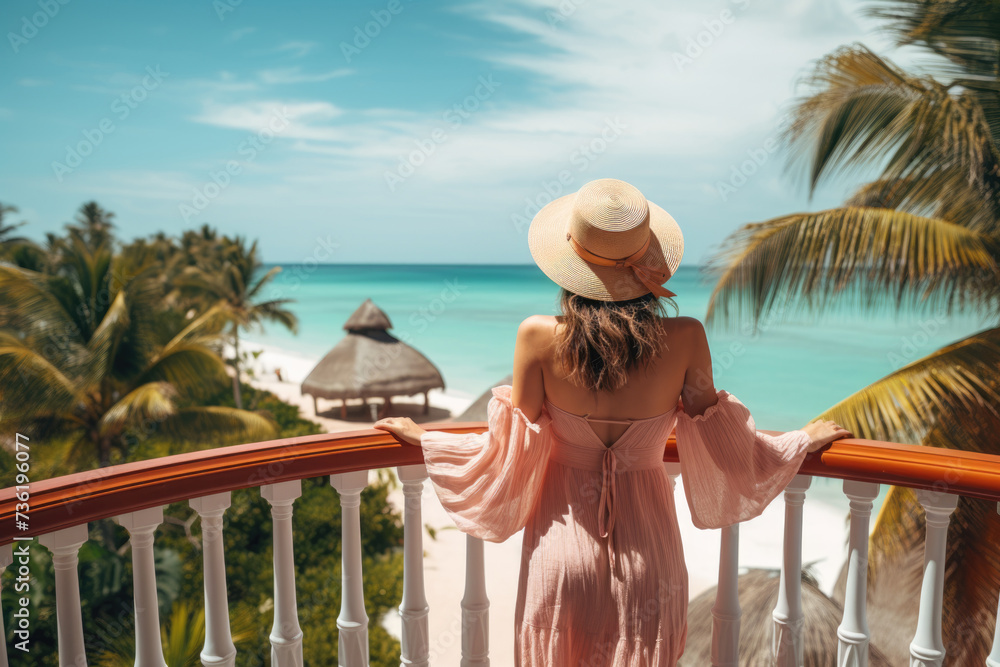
point(923, 236)
point(112, 352)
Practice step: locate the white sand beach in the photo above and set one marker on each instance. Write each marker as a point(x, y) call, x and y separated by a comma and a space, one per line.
point(824, 527)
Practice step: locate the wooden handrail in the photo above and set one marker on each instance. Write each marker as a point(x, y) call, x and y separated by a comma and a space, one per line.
point(70, 500)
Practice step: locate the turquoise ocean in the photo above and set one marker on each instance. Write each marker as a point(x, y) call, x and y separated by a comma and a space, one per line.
point(464, 318)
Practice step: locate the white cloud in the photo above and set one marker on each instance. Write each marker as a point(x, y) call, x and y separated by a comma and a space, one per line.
point(290, 75)
point(297, 49)
point(689, 113)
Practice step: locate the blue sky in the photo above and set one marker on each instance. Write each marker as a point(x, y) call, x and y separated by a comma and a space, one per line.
point(403, 130)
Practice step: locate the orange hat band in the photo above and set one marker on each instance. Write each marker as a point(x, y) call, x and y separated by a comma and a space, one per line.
point(651, 278)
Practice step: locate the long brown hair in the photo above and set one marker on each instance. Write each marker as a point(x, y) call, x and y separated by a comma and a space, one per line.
point(601, 341)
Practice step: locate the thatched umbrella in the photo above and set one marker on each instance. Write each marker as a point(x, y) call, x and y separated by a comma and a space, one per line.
point(370, 361)
point(758, 590)
point(477, 411)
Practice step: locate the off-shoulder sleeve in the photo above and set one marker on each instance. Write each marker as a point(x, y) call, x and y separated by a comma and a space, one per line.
point(730, 470)
point(489, 482)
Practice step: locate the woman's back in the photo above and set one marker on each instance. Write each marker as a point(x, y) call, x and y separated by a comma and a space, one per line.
point(653, 387)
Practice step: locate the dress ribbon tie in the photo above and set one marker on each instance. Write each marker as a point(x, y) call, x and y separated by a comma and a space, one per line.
point(609, 465)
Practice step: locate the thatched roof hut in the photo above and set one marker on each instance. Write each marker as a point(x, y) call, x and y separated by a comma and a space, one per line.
point(476, 412)
point(758, 590)
point(370, 362)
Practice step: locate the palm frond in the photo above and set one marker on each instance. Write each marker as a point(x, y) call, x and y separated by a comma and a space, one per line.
point(264, 280)
point(810, 259)
point(193, 369)
point(862, 110)
point(30, 384)
point(218, 426)
point(149, 402)
point(943, 194)
point(901, 406)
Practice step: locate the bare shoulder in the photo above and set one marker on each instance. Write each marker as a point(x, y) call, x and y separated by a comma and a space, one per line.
point(683, 328)
point(535, 325)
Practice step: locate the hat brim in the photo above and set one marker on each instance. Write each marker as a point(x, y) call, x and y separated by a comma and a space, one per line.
point(554, 255)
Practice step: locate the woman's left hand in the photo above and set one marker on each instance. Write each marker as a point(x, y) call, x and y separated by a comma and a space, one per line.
point(403, 428)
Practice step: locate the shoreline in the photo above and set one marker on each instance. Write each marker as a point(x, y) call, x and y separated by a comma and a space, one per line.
point(824, 541)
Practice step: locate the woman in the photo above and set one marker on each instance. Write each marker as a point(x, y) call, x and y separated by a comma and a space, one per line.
point(574, 449)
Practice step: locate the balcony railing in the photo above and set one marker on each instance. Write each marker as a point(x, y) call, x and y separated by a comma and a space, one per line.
point(134, 494)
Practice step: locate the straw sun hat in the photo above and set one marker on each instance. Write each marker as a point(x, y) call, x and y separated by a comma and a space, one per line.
point(606, 242)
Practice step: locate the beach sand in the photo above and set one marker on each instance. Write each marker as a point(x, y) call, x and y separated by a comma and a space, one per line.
point(824, 527)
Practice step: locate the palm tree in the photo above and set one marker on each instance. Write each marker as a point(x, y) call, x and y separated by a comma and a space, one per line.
point(89, 354)
point(236, 289)
point(925, 234)
point(18, 250)
point(5, 229)
point(93, 225)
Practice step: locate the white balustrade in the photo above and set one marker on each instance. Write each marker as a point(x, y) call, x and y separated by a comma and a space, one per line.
point(726, 612)
point(286, 635)
point(65, 546)
point(927, 648)
point(852, 634)
point(352, 642)
point(218, 649)
point(786, 642)
point(413, 609)
point(475, 607)
point(140, 526)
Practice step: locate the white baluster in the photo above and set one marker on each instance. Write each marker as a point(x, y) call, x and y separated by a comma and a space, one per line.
point(65, 545)
point(218, 648)
point(140, 526)
point(352, 642)
point(475, 607)
point(6, 558)
point(927, 649)
point(286, 635)
point(786, 639)
point(852, 635)
point(413, 608)
point(994, 658)
point(726, 612)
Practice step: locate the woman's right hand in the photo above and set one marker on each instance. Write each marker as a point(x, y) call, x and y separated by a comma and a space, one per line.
point(823, 432)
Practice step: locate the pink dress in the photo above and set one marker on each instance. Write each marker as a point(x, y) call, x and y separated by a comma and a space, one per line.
point(603, 580)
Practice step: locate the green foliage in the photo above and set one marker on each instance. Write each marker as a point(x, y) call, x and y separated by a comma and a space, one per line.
point(134, 334)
